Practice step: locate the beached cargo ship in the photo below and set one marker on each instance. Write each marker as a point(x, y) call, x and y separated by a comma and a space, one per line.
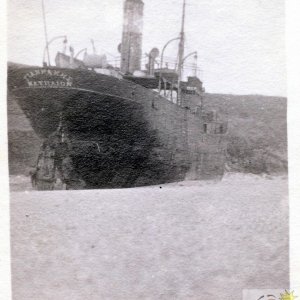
point(112, 127)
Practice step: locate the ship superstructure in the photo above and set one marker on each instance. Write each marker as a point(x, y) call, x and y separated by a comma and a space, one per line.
point(108, 127)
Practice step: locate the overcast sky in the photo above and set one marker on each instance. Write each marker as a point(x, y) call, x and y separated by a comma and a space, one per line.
point(240, 43)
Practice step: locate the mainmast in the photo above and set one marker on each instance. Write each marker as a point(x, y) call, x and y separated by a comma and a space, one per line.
point(181, 53)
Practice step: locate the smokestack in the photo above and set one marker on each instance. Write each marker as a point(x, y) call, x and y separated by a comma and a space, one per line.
point(131, 50)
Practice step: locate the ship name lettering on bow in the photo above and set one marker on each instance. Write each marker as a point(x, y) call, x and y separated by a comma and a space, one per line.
point(48, 79)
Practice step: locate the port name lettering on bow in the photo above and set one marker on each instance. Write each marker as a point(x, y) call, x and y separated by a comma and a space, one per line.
point(48, 79)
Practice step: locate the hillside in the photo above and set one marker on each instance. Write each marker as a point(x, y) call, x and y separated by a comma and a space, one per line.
point(257, 133)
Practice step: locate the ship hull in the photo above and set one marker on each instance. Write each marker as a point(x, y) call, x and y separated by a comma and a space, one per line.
point(120, 133)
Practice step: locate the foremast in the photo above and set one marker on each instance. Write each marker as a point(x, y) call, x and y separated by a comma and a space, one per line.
point(181, 54)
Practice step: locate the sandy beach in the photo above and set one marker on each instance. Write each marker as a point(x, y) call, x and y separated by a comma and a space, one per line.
point(187, 240)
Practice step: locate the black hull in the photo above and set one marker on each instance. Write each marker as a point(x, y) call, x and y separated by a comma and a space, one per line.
point(121, 134)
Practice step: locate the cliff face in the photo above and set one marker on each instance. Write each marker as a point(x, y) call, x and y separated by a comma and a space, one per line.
point(23, 143)
point(257, 133)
